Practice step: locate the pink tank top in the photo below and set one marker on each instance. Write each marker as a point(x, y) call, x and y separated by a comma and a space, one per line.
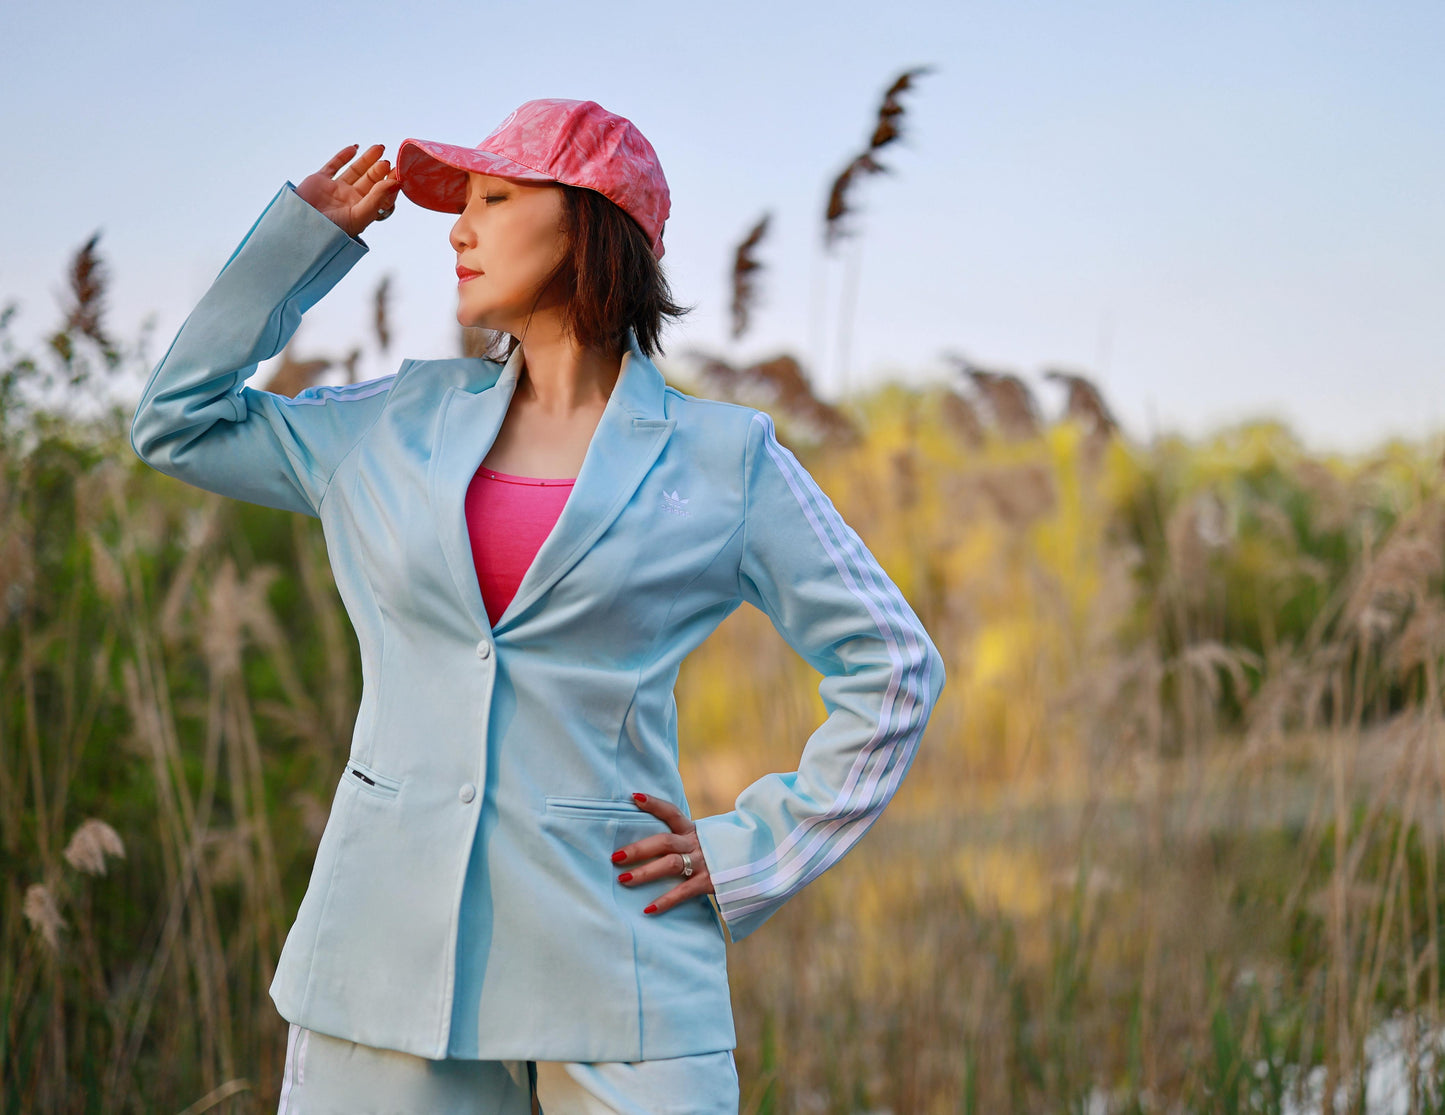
point(508, 519)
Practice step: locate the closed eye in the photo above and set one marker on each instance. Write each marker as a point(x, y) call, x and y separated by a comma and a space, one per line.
point(495, 197)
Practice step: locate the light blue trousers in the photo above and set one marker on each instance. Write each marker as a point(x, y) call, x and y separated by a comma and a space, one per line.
point(330, 1076)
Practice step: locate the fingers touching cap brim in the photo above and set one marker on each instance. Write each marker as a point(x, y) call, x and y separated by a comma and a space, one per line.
point(434, 175)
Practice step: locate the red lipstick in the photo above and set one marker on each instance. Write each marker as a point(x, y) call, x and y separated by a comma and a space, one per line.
point(465, 273)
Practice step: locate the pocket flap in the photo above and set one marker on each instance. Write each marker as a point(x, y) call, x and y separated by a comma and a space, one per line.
point(365, 778)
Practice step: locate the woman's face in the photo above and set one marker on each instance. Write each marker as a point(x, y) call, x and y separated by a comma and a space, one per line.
point(508, 239)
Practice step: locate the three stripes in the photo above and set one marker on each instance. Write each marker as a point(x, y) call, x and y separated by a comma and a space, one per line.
point(325, 393)
point(295, 1064)
point(900, 724)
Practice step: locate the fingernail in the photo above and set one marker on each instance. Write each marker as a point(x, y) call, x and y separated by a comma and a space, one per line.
point(618, 857)
point(650, 909)
point(625, 877)
point(639, 797)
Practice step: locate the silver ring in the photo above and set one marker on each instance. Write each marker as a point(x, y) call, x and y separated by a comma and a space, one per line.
point(383, 214)
point(686, 865)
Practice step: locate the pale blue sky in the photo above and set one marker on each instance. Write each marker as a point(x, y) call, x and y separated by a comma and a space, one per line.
point(1219, 210)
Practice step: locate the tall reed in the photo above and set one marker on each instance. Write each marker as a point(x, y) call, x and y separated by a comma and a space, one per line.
point(1171, 842)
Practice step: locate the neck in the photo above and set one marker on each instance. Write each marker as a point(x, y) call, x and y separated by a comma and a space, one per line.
point(559, 377)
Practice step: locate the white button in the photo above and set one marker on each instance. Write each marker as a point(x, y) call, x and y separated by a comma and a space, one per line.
point(467, 792)
point(484, 649)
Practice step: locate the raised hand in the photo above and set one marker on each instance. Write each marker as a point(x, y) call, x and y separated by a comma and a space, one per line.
point(364, 192)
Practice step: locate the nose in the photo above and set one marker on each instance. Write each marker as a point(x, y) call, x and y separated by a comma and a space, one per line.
point(461, 236)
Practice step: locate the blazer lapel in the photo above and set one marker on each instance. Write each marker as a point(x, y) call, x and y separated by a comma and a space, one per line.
point(467, 425)
point(629, 437)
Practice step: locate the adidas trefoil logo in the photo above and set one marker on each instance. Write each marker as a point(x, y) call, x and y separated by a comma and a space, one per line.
point(674, 503)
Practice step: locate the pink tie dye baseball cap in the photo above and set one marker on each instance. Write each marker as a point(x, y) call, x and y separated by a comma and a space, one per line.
point(579, 143)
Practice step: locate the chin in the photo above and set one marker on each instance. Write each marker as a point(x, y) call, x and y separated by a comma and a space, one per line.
point(472, 321)
point(474, 318)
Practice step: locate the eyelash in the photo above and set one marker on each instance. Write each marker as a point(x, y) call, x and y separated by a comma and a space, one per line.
point(494, 197)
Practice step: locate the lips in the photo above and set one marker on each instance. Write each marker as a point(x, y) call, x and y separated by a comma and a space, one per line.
point(465, 273)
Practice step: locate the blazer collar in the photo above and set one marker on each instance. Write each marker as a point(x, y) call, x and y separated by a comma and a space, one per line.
point(629, 437)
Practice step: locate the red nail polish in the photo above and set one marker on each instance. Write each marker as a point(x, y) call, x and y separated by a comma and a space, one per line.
point(640, 797)
point(626, 876)
point(618, 857)
point(650, 909)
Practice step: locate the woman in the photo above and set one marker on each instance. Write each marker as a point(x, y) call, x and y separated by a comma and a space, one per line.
point(511, 905)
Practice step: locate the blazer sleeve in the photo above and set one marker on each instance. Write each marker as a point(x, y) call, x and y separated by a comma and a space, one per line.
point(198, 422)
point(832, 602)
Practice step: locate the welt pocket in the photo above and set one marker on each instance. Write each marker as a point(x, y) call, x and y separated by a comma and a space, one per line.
point(371, 781)
point(596, 809)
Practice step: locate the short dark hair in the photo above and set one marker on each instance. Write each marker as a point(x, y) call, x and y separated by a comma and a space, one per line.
point(616, 282)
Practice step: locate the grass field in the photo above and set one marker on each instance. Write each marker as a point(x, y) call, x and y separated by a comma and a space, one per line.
point(1171, 843)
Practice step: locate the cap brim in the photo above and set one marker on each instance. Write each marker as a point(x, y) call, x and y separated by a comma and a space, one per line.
point(434, 175)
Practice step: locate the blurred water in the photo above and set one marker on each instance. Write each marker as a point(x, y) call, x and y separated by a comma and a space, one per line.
point(1387, 1079)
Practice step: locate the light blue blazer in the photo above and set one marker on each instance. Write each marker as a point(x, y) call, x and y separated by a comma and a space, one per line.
point(527, 738)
